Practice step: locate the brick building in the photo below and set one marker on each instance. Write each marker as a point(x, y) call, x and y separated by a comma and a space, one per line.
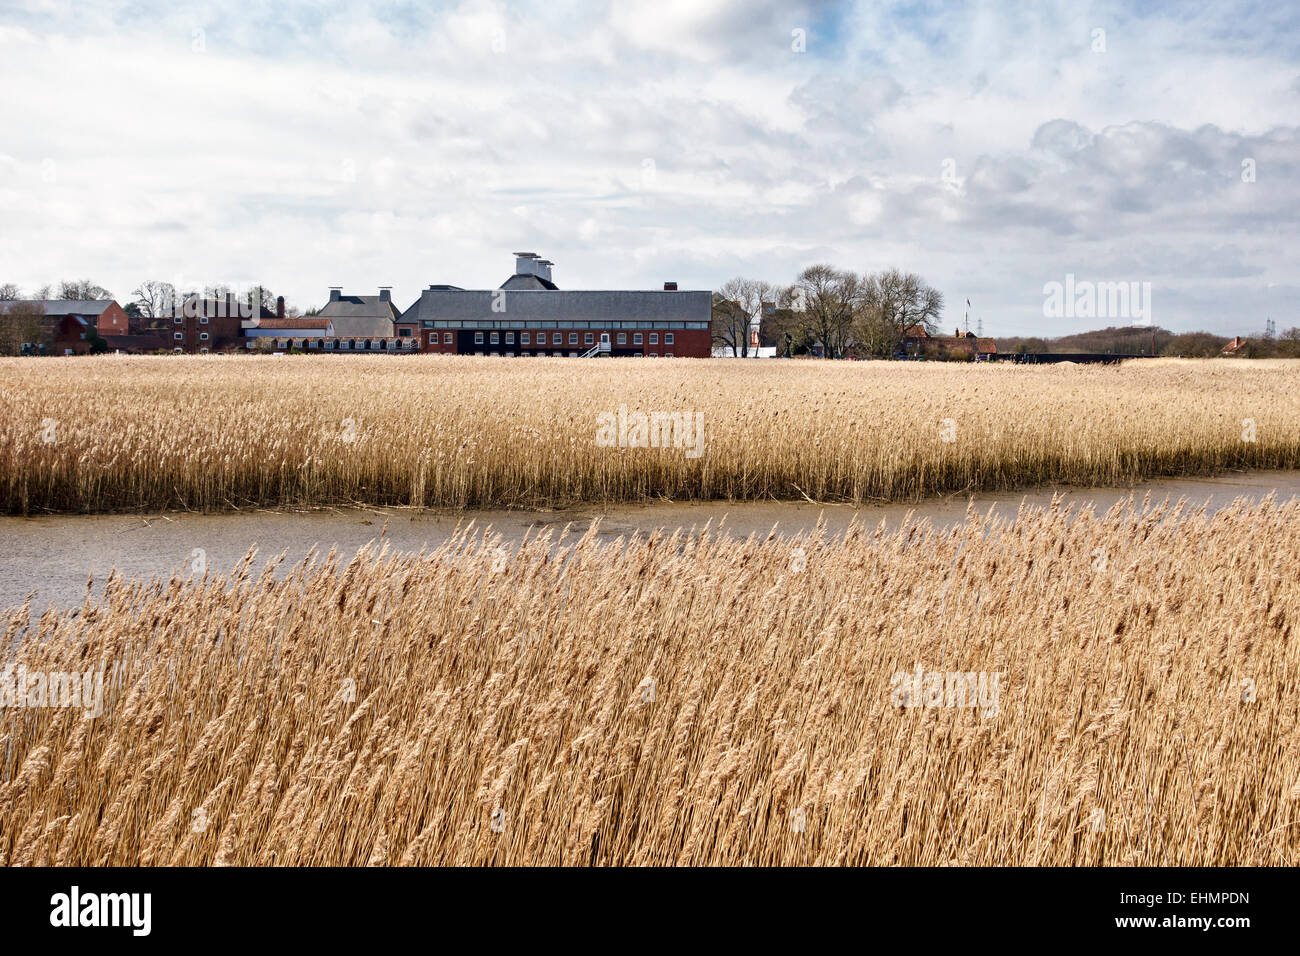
point(69, 326)
point(104, 316)
point(215, 325)
point(530, 316)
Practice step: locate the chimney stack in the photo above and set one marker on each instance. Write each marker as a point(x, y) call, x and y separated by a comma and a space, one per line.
point(279, 307)
point(385, 293)
point(670, 286)
point(336, 292)
point(525, 263)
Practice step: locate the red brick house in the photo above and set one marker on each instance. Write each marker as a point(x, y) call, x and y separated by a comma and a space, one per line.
point(73, 326)
point(199, 326)
point(917, 340)
point(104, 316)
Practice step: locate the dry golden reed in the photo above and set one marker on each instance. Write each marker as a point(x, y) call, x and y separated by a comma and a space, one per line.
point(213, 433)
point(690, 699)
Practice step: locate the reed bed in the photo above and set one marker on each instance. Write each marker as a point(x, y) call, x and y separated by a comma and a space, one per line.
point(687, 699)
point(218, 433)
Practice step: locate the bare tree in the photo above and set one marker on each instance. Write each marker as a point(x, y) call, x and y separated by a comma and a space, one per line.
point(903, 300)
point(260, 297)
point(828, 299)
point(9, 292)
point(740, 310)
point(83, 290)
point(873, 333)
point(155, 298)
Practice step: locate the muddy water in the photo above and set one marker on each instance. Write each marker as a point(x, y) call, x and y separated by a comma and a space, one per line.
point(51, 558)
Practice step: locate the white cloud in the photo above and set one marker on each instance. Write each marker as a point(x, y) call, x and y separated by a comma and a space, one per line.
point(376, 143)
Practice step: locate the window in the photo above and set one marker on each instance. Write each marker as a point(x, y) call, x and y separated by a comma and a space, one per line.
point(573, 338)
point(178, 320)
point(510, 339)
point(203, 320)
point(654, 338)
point(433, 338)
point(668, 339)
point(203, 351)
point(573, 355)
point(510, 355)
point(177, 335)
point(636, 338)
point(446, 338)
point(622, 338)
point(478, 338)
point(523, 338)
point(558, 339)
point(69, 351)
point(587, 339)
point(668, 355)
point(203, 336)
point(495, 338)
point(654, 354)
point(404, 333)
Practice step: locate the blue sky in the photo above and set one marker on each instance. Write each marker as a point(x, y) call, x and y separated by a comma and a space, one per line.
point(991, 147)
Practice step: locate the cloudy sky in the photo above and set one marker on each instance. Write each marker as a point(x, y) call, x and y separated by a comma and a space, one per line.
point(991, 147)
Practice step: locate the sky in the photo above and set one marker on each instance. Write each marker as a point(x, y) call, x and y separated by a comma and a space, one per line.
point(993, 148)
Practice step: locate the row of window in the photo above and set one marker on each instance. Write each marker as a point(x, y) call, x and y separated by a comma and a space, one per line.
point(571, 354)
point(359, 345)
point(203, 320)
point(557, 338)
point(203, 336)
point(559, 324)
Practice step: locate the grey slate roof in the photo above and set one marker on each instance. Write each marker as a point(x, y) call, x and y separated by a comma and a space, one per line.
point(593, 305)
point(366, 316)
point(73, 306)
point(361, 326)
point(359, 306)
point(525, 283)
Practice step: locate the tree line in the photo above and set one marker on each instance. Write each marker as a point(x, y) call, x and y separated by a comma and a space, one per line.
point(833, 312)
point(1140, 340)
point(150, 299)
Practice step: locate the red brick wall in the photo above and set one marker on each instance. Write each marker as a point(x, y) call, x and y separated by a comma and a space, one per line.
point(113, 321)
point(224, 332)
point(436, 346)
point(67, 335)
